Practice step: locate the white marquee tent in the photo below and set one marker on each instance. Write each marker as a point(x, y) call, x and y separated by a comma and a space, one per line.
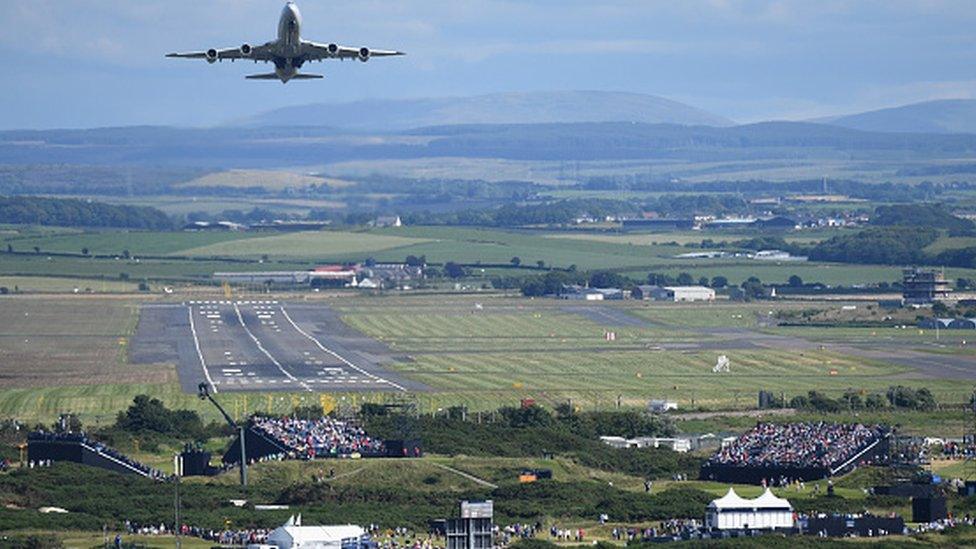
point(294, 536)
point(733, 512)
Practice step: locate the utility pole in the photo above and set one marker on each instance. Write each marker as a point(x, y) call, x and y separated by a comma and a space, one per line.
point(176, 502)
point(203, 391)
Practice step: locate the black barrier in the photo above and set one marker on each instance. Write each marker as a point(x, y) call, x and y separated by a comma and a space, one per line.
point(257, 445)
point(77, 448)
point(403, 448)
point(196, 463)
point(905, 490)
point(839, 525)
point(758, 475)
point(928, 509)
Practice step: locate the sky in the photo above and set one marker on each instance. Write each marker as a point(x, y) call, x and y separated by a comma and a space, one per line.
point(96, 63)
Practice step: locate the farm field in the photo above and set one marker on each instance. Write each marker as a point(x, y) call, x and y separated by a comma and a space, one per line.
point(45, 284)
point(67, 342)
point(183, 206)
point(135, 269)
point(632, 255)
point(115, 242)
point(689, 237)
point(274, 180)
point(309, 245)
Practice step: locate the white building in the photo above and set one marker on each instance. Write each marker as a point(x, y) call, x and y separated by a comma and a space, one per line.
point(579, 292)
point(388, 221)
point(680, 445)
point(677, 293)
point(732, 512)
point(294, 536)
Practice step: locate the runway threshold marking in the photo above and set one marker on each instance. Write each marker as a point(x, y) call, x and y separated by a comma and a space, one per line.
point(196, 343)
point(378, 379)
point(266, 353)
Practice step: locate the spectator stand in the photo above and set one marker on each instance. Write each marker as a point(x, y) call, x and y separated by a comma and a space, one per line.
point(775, 453)
point(78, 448)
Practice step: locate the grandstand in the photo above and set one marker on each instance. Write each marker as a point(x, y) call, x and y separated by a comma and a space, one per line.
point(78, 448)
point(327, 437)
point(773, 453)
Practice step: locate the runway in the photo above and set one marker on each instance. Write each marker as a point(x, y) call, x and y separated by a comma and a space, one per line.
point(263, 345)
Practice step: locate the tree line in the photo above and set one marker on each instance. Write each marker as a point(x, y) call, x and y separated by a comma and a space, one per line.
point(69, 212)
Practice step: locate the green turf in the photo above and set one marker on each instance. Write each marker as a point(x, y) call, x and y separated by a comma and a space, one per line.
point(324, 244)
point(43, 284)
point(136, 269)
point(116, 241)
point(499, 354)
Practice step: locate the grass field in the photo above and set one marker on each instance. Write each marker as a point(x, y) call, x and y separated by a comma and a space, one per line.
point(499, 354)
point(308, 245)
point(70, 341)
point(633, 255)
point(54, 358)
point(689, 237)
point(214, 206)
point(265, 179)
point(114, 242)
point(45, 284)
point(199, 271)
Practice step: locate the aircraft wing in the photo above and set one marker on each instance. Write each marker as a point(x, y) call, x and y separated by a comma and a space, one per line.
point(315, 51)
point(257, 53)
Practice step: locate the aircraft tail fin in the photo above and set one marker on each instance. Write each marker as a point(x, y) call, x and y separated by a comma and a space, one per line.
point(303, 76)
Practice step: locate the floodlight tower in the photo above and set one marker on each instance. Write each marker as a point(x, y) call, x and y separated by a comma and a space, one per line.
point(203, 391)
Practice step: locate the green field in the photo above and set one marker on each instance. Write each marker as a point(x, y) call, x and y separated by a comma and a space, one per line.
point(324, 244)
point(115, 242)
point(498, 354)
point(196, 255)
point(42, 284)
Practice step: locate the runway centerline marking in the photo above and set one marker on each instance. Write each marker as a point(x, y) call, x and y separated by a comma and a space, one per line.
point(266, 353)
point(196, 343)
point(314, 340)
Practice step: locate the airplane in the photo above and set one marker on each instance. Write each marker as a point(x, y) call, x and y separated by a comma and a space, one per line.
point(288, 52)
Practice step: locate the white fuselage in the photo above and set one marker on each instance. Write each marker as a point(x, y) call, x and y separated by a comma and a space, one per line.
point(289, 45)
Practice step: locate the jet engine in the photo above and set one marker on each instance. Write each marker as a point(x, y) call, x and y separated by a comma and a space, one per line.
point(333, 49)
point(246, 50)
point(211, 55)
point(364, 54)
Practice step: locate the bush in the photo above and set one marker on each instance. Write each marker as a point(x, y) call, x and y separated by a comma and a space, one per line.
point(150, 415)
point(906, 397)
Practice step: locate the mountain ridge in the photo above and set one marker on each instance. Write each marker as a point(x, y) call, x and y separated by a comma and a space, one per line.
point(941, 116)
point(500, 108)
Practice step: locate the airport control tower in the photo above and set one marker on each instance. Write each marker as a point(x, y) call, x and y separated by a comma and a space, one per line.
point(922, 286)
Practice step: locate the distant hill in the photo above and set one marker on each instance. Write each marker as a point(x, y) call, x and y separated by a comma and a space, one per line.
point(944, 116)
point(271, 148)
point(503, 108)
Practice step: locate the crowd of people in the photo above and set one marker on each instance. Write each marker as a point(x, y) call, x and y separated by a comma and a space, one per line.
point(958, 450)
point(816, 445)
point(323, 437)
point(231, 537)
point(99, 448)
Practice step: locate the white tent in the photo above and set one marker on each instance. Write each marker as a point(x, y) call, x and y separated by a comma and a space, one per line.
point(732, 512)
point(294, 536)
